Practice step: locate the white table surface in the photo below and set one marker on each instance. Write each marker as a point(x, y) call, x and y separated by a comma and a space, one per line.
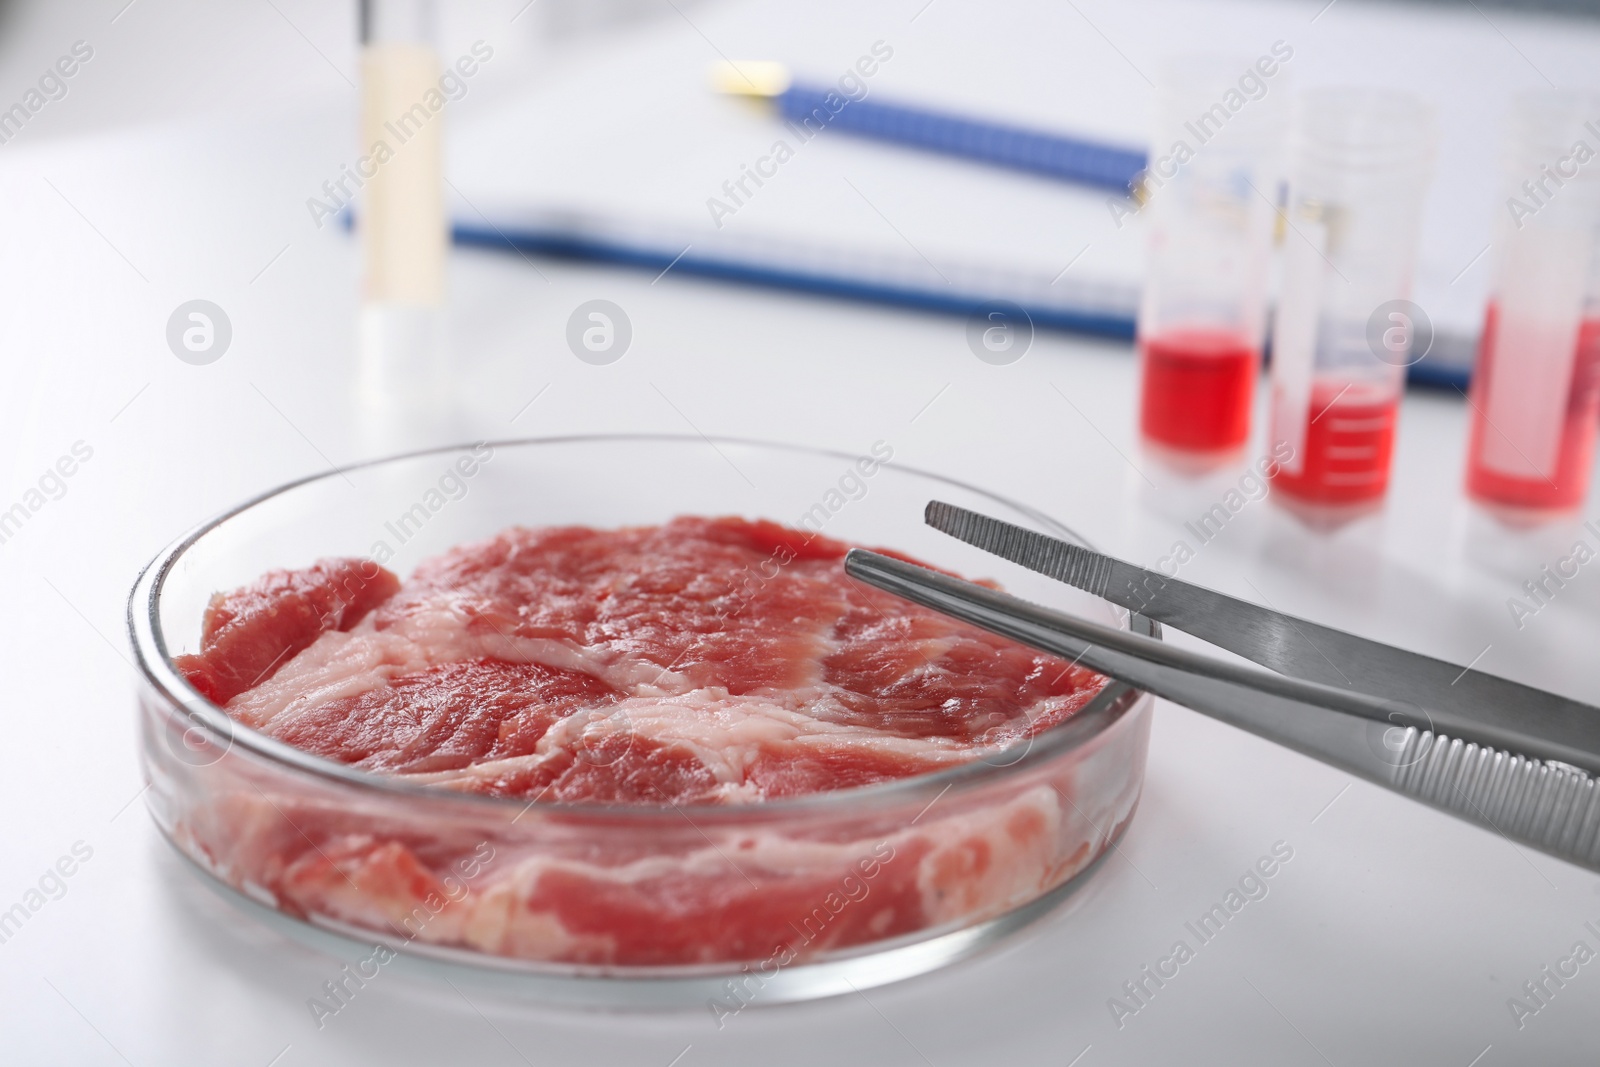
point(177, 167)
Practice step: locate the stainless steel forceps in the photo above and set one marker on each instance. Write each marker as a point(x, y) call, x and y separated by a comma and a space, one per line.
point(1508, 757)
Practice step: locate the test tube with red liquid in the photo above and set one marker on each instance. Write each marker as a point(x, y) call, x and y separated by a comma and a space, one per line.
point(1210, 188)
point(1534, 389)
point(1345, 328)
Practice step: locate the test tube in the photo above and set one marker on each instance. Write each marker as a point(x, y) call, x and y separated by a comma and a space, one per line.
point(1359, 166)
point(1534, 389)
point(1209, 191)
point(403, 370)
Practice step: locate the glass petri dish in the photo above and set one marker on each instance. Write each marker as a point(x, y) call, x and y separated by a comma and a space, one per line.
point(826, 893)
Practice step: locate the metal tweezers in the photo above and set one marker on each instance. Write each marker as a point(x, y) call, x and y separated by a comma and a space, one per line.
point(1508, 757)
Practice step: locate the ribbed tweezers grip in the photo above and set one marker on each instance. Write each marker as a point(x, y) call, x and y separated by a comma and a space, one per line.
point(1550, 806)
point(1065, 563)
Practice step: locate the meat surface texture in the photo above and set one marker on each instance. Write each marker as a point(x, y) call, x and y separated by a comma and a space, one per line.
point(249, 633)
point(704, 662)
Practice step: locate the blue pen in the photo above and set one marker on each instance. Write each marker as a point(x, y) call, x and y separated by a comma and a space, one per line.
point(818, 107)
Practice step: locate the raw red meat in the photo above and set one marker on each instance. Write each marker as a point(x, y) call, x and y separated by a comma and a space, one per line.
point(446, 717)
point(705, 661)
point(712, 660)
point(249, 633)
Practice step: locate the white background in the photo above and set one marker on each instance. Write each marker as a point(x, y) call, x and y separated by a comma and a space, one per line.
point(178, 167)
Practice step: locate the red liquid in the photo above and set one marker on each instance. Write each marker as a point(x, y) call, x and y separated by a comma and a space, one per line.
point(1349, 442)
point(1565, 489)
point(1197, 389)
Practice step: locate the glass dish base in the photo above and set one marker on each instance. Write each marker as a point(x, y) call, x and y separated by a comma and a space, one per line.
point(658, 989)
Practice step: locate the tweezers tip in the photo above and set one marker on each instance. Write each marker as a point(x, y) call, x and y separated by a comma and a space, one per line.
point(1060, 560)
point(943, 517)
